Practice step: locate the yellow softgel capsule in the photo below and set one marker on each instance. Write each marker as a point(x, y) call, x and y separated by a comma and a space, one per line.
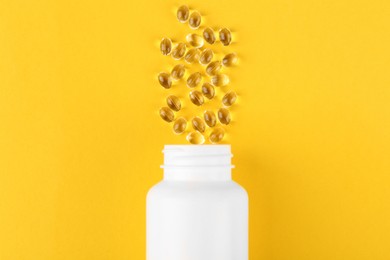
point(195, 40)
point(210, 118)
point(192, 55)
point(179, 51)
point(229, 98)
point(166, 46)
point(195, 138)
point(217, 135)
point(196, 97)
point(180, 125)
point(167, 114)
point(208, 90)
point(195, 20)
point(183, 12)
point(178, 71)
point(230, 60)
point(224, 116)
point(213, 68)
point(206, 56)
point(198, 124)
point(165, 80)
point(225, 36)
point(194, 79)
point(220, 80)
point(173, 103)
point(208, 35)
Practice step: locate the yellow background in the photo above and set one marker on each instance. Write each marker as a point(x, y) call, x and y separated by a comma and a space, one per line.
point(81, 139)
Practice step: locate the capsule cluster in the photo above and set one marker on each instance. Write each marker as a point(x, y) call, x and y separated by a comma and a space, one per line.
point(203, 47)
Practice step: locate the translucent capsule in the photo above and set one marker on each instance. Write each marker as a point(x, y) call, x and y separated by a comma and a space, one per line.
point(220, 80)
point(213, 68)
point(230, 60)
point(194, 79)
point(195, 20)
point(167, 114)
point(210, 118)
point(165, 80)
point(208, 35)
point(195, 138)
point(196, 97)
point(180, 125)
point(183, 12)
point(217, 135)
point(195, 40)
point(206, 56)
point(229, 98)
point(198, 124)
point(192, 55)
point(224, 116)
point(178, 71)
point(208, 90)
point(179, 51)
point(225, 36)
point(173, 103)
point(166, 46)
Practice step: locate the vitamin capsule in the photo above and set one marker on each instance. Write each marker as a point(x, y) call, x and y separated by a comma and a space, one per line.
point(206, 56)
point(173, 103)
point(225, 36)
point(179, 51)
point(195, 40)
point(198, 124)
point(194, 79)
point(180, 125)
point(208, 90)
point(183, 12)
point(166, 46)
point(217, 135)
point(195, 20)
point(196, 97)
point(220, 80)
point(224, 116)
point(195, 138)
point(213, 68)
point(229, 60)
point(210, 118)
point(192, 55)
point(167, 114)
point(208, 35)
point(178, 71)
point(165, 80)
point(229, 98)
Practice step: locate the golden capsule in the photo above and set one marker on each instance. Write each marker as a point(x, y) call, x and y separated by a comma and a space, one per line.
point(217, 135)
point(167, 114)
point(179, 51)
point(224, 116)
point(225, 36)
point(173, 103)
point(208, 90)
point(208, 35)
point(229, 98)
point(165, 80)
point(194, 79)
point(195, 138)
point(166, 46)
point(178, 71)
point(213, 68)
point(198, 124)
point(206, 56)
point(196, 97)
point(195, 20)
point(195, 40)
point(210, 118)
point(192, 55)
point(220, 80)
point(183, 12)
point(230, 60)
point(180, 125)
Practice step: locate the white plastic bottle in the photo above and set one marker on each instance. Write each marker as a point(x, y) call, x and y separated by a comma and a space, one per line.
point(197, 212)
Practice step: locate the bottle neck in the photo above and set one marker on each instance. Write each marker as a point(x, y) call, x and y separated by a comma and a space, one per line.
point(197, 173)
